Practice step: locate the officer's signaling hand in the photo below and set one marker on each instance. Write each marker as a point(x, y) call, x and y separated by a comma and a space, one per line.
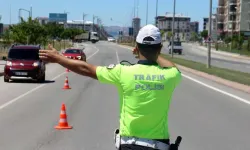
point(51, 55)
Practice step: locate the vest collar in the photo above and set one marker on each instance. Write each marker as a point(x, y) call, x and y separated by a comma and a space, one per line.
point(147, 62)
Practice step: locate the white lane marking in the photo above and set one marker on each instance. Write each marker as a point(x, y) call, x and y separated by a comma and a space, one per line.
point(217, 90)
point(117, 56)
point(38, 87)
point(21, 96)
point(97, 50)
point(213, 88)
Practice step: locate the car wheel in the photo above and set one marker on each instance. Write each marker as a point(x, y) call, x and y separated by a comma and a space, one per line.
point(6, 79)
point(41, 79)
point(180, 53)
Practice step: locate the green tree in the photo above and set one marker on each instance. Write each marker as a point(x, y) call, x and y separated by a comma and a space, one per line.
point(194, 36)
point(162, 32)
point(54, 30)
point(7, 37)
point(227, 40)
point(240, 41)
point(27, 32)
point(169, 34)
point(74, 32)
point(183, 35)
point(204, 34)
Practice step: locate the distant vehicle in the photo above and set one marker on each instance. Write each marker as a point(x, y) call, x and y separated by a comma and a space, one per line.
point(23, 61)
point(177, 47)
point(94, 37)
point(88, 36)
point(111, 39)
point(74, 53)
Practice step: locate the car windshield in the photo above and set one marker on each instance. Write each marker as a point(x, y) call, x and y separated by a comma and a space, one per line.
point(74, 51)
point(177, 43)
point(24, 54)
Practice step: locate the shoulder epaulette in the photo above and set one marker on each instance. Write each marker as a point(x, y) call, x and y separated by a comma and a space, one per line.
point(126, 63)
point(111, 66)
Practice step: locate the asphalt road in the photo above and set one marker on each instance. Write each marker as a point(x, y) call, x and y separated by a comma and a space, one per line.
point(2, 63)
point(207, 119)
point(194, 53)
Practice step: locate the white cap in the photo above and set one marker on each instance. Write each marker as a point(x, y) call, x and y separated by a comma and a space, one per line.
point(149, 31)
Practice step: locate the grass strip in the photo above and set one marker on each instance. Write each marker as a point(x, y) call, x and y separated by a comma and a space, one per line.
point(235, 76)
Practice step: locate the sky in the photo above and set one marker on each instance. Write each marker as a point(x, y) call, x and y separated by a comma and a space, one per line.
point(121, 11)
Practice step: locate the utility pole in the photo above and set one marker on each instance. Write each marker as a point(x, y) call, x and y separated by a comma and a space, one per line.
point(83, 18)
point(209, 35)
point(156, 14)
point(31, 12)
point(94, 17)
point(93, 23)
point(134, 7)
point(173, 34)
point(10, 14)
point(147, 14)
point(137, 9)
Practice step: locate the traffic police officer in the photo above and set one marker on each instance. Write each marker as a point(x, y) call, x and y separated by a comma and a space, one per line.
point(145, 91)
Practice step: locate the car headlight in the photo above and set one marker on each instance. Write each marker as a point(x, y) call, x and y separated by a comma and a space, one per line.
point(9, 63)
point(35, 64)
point(79, 57)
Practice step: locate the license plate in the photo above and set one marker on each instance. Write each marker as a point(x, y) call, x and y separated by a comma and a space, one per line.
point(21, 73)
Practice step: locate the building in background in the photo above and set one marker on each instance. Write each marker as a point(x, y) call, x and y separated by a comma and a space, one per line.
point(130, 31)
point(214, 31)
point(58, 17)
point(79, 24)
point(43, 20)
point(194, 27)
point(234, 17)
point(181, 26)
point(206, 22)
point(136, 24)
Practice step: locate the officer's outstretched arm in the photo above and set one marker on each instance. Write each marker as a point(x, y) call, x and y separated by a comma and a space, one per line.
point(163, 62)
point(79, 67)
point(76, 66)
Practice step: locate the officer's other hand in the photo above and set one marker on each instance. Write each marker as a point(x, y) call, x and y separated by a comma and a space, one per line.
point(135, 52)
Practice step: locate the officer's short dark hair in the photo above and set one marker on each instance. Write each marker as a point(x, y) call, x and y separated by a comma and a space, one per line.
point(149, 51)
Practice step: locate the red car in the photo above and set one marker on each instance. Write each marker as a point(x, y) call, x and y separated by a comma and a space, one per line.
point(74, 53)
point(23, 61)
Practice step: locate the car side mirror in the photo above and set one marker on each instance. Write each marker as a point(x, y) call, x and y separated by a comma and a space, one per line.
point(4, 58)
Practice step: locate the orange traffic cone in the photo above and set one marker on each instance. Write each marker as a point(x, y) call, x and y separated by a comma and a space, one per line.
point(66, 84)
point(63, 123)
point(67, 70)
